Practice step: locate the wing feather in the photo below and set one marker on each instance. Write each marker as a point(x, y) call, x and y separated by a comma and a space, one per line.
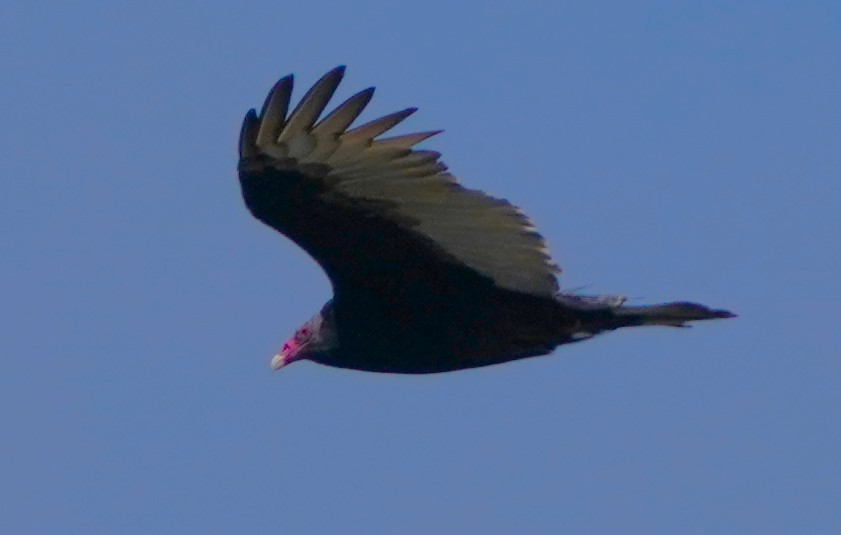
point(305, 114)
point(370, 130)
point(274, 112)
point(339, 119)
point(405, 141)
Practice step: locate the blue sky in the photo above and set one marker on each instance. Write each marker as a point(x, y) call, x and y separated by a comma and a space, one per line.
point(667, 150)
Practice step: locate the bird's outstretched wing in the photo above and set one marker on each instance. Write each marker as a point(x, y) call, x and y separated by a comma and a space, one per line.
point(372, 210)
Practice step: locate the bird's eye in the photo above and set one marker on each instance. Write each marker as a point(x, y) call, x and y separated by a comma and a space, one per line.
point(305, 332)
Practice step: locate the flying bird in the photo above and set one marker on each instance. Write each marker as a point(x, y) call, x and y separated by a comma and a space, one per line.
point(428, 276)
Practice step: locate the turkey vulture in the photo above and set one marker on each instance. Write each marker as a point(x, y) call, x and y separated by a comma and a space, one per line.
point(428, 276)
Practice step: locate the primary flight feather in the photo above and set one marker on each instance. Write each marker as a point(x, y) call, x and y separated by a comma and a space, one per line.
point(428, 276)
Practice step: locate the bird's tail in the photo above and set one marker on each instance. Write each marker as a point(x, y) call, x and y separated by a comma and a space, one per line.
point(669, 314)
point(601, 313)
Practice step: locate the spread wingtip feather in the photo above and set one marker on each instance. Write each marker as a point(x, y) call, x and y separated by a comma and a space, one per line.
point(372, 129)
point(248, 135)
point(339, 119)
point(312, 105)
point(273, 113)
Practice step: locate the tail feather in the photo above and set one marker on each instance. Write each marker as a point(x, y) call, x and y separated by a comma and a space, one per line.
point(670, 314)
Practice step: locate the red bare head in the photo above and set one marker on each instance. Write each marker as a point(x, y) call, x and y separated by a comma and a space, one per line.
point(313, 337)
point(294, 348)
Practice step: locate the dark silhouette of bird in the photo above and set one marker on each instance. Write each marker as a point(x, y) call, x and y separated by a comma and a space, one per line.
point(428, 276)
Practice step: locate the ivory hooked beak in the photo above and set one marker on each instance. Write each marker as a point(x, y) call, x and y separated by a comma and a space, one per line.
point(278, 361)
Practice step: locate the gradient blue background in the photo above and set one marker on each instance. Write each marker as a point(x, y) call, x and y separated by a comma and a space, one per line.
point(667, 150)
